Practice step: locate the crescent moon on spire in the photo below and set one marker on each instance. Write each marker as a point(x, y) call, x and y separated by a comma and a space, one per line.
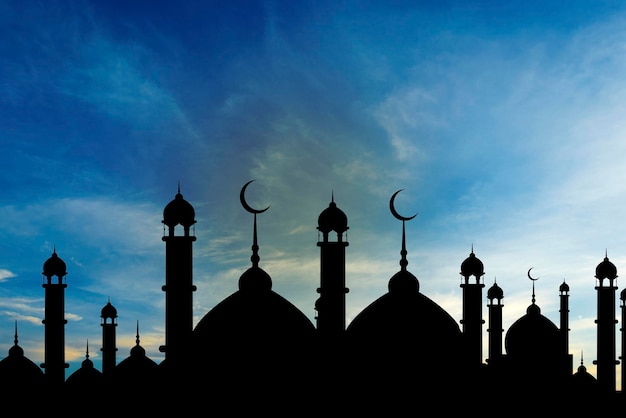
point(246, 206)
point(529, 275)
point(393, 209)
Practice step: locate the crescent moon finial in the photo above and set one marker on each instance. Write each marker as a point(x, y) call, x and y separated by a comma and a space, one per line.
point(529, 275)
point(246, 206)
point(393, 209)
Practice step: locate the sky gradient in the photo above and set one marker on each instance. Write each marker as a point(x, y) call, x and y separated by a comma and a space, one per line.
point(503, 124)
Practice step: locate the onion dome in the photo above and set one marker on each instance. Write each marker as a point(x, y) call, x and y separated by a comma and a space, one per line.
point(179, 211)
point(332, 219)
point(17, 372)
point(606, 270)
point(472, 266)
point(495, 292)
point(564, 287)
point(108, 311)
point(137, 368)
point(86, 376)
point(54, 266)
point(533, 336)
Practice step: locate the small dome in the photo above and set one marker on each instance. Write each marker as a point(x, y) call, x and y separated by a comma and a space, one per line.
point(332, 219)
point(108, 311)
point(564, 287)
point(54, 266)
point(179, 211)
point(622, 295)
point(472, 266)
point(403, 282)
point(495, 292)
point(606, 270)
point(255, 279)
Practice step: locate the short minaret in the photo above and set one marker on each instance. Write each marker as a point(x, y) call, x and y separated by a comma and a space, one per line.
point(109, 348)
point(54, 320)
point(472, 307)
point(495, 330)
point(606, 273)
point(564, 315)
point(331, 305)
point(179, 286)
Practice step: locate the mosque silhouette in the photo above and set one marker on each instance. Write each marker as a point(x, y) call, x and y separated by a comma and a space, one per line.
point(256, 352)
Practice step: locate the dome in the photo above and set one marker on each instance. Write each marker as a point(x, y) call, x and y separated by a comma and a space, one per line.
point(533, 336)
point(495, 292)
point(622, 294)
point(332, 219)
point(179, 211)
point(108, 311)
point(472, 266)
point(255, 279)
point(564, 287)
point(19, 373)
point(54, 266)
point(606, 270)
point(403, 282)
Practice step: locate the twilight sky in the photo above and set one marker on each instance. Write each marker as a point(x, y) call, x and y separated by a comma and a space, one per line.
point(503, 124)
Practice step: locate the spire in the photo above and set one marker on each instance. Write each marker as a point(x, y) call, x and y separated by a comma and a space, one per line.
point(15, 337)
point(255, 246)
point(403, 260)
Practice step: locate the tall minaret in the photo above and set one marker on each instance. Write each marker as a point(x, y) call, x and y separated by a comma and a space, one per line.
point(622, 297)
point(54, 320)
point(331, 305)
point(564, 315)
point(109, 348)
point(495, 329)
point(179, 286)
point(472, 308)
point(606, 273)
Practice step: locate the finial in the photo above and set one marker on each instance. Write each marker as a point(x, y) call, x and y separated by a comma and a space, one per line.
point(87, 349)
point(255, 247)
point(15, 337)
point(403, 260)
point(332, 196)
point(472, 252)
point(533, 280)
point(178, 186)
point(137, 336)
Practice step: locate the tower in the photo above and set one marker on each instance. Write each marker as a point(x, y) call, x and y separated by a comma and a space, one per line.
point(495, 330)
point(622, 357)
point(179, 286)
point(606, 273)
point(54, 320)
point(472, 307)
point(108, 324)
point(564, 315)
point(331, 305)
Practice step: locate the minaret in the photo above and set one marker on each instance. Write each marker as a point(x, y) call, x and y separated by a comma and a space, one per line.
point(606, 273)
point(495, 329)
point(564, 315)
point(331, 305)
point(179, 286)
point(54, 320)
point(472, 308)
point(109, 348)
point(622, 357)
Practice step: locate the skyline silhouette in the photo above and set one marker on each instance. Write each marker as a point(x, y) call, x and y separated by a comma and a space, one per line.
point(502, 126)
point(258, 346)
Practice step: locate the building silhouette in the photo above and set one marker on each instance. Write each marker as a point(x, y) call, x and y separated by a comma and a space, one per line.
point(256, 351)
